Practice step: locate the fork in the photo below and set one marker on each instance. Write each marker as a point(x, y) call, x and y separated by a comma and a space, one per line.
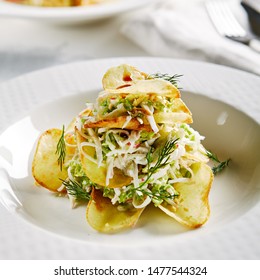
point(227, 25)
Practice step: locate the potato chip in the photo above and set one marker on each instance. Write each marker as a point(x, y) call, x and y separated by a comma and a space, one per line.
point(142, 87)
point(45, 167)
point(120, 122)
point(171, 118)
point(121, 76)
point(97, 174)
point(105, 217)
point(192, 207)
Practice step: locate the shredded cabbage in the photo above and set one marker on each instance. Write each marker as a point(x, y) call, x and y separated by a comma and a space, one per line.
point(127, 150)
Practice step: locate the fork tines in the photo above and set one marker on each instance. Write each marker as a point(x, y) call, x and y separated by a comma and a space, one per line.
point(223, 19)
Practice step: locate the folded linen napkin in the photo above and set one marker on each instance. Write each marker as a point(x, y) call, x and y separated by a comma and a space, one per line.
point(187, 32)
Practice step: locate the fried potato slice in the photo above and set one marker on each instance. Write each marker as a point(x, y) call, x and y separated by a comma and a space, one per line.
point(119, 122)
point(180, 113)
point(104, 217)
point(98, 174)
point(121, 76)
point(193, 208)
point(155, 86)
point(178, 105)
point(45, 167)
point(172, 117)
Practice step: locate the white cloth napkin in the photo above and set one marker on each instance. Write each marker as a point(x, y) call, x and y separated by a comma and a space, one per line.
point(187, 32)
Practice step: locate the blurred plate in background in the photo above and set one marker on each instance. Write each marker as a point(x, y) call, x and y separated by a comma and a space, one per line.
point(72, 14)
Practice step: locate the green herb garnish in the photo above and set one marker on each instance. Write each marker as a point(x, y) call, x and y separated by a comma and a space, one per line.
point(160, 196)
point(163, 158)
point(128, 105)
point(61, 149)
point(173, 79)
point(158, 193)
point(162, 161)
point(75, 189)
point(221, 164)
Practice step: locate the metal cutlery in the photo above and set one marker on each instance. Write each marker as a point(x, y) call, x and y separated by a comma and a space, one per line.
point(227, 25)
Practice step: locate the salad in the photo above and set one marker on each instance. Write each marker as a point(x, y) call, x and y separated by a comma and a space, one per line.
point(131, 148)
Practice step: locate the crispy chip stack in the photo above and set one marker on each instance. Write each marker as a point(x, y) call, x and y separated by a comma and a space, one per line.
point(131, 100)
point(131, 88)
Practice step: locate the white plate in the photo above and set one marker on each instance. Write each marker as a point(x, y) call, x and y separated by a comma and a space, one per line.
point(229, 132)
point(73, 14)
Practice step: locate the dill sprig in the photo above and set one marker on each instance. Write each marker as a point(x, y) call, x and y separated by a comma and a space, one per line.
point(61, 149)
point(162, 161)
point(75, 189)
point(173, 79)
point(221, 164)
